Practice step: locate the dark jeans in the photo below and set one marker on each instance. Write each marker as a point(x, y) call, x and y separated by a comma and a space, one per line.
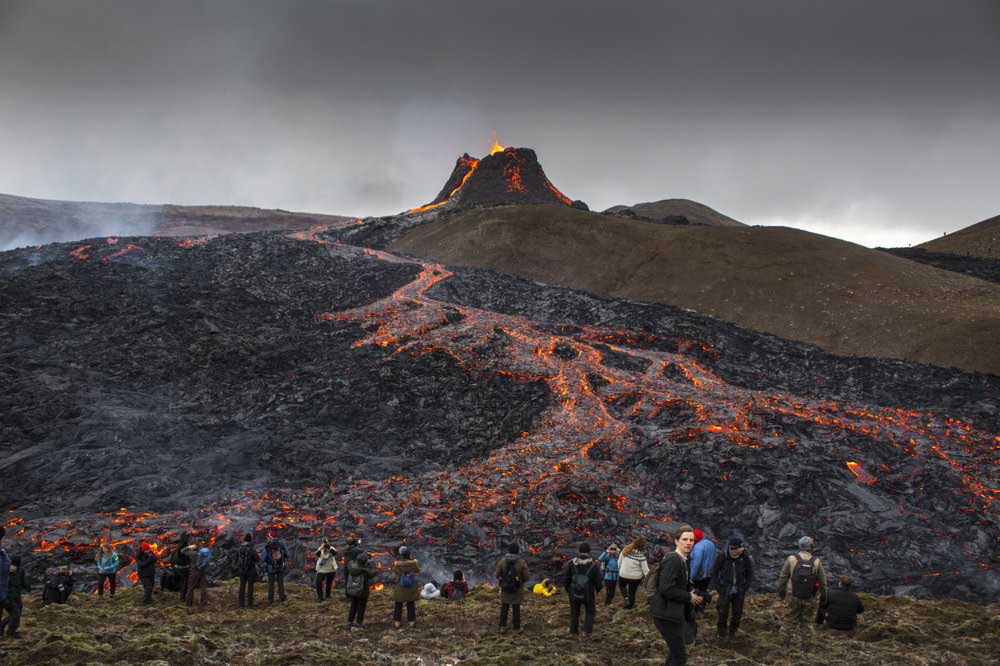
point(589, 613)
point(279, 577)
point(112, 583)
point(13, 619)
point(629, 588)
point(727, 601)
point(324, 580)
point(246, 589)
point(411, 611)
point(673, 634)
point(183, 573)
point(357, 612)
point(147, 590)
point(505, 609)
point(609, 591)
point(198, 578)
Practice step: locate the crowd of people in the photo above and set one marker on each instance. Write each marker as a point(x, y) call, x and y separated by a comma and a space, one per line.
point(677, 586)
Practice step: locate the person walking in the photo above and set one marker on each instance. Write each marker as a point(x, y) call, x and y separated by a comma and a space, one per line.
point(276, 563)
point(200, 556)
point(672, 602)
point(632, 568)
point(107, 569)
point(360, 573)
point(145, 567)
point(803, 576)
point(732, 575)
point(511, 573)
point(17, 585)
point(843, 606)
point(406, 590)
point(326, 570)
point(609, 560)
point(582, 581)
point(246, 566)
point(180, 564)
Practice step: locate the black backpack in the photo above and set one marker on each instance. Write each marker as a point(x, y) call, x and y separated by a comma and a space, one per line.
point(247, 562)
point(804, 578)
point(509, 580)
point(579, 583)
point(355, 584)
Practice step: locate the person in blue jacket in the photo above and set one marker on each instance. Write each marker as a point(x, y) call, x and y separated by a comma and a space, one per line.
point(609, 560)
point(107, 569)
point(702, 560)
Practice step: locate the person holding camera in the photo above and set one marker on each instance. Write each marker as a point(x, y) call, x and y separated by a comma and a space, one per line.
point(326, 570)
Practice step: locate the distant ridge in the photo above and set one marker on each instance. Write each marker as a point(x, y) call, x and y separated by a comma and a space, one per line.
point(694, 212)
point(979, 240)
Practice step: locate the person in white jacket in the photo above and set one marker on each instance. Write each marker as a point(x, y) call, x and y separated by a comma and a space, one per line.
point(632, 568)
point(326, 570)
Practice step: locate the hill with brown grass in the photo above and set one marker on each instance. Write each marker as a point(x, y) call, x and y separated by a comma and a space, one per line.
point(840, 296)
point(979, 240)
point(696, 213)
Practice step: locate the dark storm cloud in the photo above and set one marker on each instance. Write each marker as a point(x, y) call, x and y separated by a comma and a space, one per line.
point(869, 120)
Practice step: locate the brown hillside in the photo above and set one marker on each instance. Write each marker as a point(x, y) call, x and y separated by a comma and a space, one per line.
point(695, 212)
point(979, 240)
point(798, 285)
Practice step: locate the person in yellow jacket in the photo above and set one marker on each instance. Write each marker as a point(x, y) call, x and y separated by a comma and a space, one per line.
point(544, 588)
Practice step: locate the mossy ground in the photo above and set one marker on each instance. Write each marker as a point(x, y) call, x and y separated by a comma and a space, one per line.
point(94, 631)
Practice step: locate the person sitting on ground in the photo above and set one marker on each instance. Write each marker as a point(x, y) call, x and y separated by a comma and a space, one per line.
point(632, 568)
point(456, 589)
point(107, 569)
point(732, 575)
point(609, 560)
point(145, 562)
point(360, 572)
point(843, 606)
point(511, 573)
point(802, 575)
point(200, 556)
point(581, 579)
point(58, 588)
point(326, 570)
point(246, 566)
point(545, 588)
point(406, 590)
point(17, 585)
point(430, 591)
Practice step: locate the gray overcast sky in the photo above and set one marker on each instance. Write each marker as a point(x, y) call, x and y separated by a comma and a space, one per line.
point(872, 120)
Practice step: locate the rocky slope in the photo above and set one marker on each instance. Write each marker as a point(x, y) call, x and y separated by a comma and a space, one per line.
point(979, 240)
point(672, 209)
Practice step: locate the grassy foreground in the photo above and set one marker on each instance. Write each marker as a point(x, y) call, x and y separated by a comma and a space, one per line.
point(894, 630)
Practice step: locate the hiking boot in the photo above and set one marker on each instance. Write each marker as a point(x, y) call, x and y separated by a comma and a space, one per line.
point(503, 629)
point(397, 625)
point(413, 624)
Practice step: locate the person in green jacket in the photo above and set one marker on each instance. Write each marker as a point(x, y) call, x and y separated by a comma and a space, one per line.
point(16, 586)
point(360, 573)
point(406, 590)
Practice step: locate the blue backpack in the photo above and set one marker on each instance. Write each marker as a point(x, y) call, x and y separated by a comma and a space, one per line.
point(407, 580)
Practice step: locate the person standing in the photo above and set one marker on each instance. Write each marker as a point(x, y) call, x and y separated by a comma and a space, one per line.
point(107, 569)
point(5, 604)
point(803, 576)
point(582, 581)
point(326, 570)
point(17, 585)
point(511, 573)
point(200, 556)
point(609, 560)
point(145, 562)
point(672, 603)
point(180, 564)
point(246, 566)
point(843, 606)
point(632, 568)
point(360, 573)
point(406, 591)
point(732, 575)
point(352, 550)
point(276, 562)
point(702, 559)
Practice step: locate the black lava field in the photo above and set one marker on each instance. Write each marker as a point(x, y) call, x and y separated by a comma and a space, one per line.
point(305, 385)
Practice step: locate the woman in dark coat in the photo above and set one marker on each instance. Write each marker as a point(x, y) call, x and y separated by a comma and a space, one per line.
point(673, 604)
point(360, 567)
point(511, 597)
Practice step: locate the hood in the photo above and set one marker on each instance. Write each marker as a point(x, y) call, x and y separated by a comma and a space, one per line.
point(510, 557)
point(579, 561)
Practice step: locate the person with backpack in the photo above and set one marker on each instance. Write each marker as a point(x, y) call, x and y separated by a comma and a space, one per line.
point(246, 566)
point(609, 560)
point(511, 574)
point(671, 599)
point(351, 552)
point(732, 575)
point(58, 588)
point(360, 573)
point(326, 570)
point(107, 569)
point(276, 563)
point(632, 568)
point(145, 568)
point(456, 589)
point(406, 590)
point(803, 576)
point(200, 556)
point(843, 606)
point(582, 581)
point(17, 585)
point(180, 564)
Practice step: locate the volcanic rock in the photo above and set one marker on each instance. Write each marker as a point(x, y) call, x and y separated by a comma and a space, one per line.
point(983, 268)
point(669, 211)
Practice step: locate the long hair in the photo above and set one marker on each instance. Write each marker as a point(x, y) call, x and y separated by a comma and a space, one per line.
point(639, 544)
